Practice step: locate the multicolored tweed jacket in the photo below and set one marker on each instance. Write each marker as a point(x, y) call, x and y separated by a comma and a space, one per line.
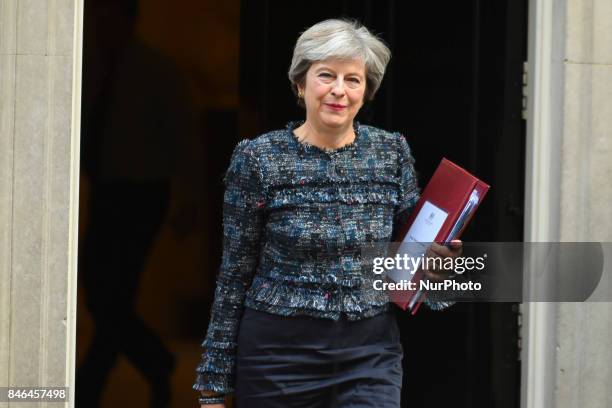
point(295, 218)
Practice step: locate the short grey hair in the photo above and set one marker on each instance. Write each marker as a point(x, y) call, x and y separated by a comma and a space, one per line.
point(343, 39)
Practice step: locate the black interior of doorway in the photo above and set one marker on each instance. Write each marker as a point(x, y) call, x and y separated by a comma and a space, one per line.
point(453, 88)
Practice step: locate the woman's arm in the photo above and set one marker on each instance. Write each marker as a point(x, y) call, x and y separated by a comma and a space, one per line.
point(409, 187)
point(454, 250)
point(242, 225)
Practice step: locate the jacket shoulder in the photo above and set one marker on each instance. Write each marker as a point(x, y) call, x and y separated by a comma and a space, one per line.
point(270, 142)
point(389, 139)
point(266, 144)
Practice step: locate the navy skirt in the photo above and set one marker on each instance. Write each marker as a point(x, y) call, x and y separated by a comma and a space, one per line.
point(307, 362)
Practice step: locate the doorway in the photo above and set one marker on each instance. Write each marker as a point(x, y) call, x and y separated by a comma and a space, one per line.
point(454, 89)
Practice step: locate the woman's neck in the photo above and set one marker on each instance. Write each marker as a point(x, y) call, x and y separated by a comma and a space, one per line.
point(325, 137)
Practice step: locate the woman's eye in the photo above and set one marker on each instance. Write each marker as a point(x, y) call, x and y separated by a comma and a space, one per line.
point(325, 75)
point(354, 80)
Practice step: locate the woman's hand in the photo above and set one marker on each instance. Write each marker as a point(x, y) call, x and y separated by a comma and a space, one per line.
point(442, 251)
point(212, 405)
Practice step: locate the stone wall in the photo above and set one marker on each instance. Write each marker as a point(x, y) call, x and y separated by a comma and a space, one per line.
point(584, 330)
point(39, 88)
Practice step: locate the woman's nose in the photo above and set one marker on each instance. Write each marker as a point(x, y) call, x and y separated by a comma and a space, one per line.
point(338, 88)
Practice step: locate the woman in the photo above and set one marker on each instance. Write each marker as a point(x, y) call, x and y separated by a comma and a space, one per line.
point(295, 321)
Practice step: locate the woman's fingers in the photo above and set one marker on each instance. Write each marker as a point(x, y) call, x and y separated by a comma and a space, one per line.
point(436, 275)
point(456, 243)
point(442, 251)
point(456, 247)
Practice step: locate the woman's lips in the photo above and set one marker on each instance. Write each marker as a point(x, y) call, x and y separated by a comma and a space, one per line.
point(335, 106)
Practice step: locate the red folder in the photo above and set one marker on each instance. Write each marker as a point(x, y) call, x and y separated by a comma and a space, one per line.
point(456, 192)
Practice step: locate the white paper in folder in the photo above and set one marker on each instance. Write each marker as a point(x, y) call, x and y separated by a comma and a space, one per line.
point(467, 211)
point(423, 231)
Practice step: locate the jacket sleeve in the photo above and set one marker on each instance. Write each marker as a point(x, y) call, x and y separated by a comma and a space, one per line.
point(409, 189)
point(409, 195)
point(242, 225)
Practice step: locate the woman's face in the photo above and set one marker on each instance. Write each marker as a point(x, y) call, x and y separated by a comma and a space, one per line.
point(334, 90)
